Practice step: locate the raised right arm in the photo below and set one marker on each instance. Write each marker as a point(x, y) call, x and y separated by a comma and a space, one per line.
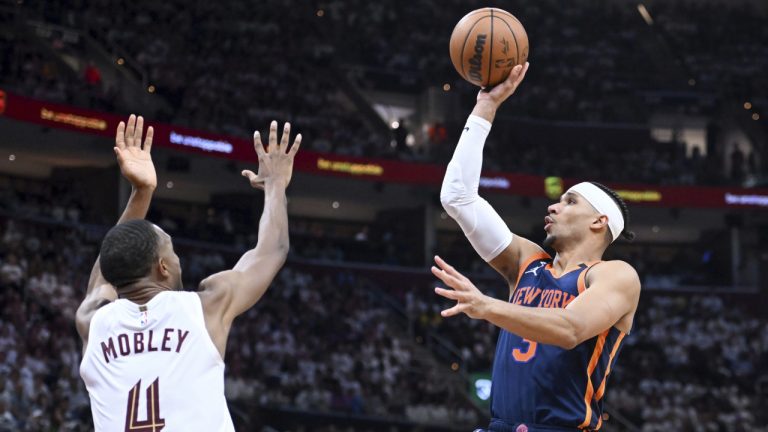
point(484, 228)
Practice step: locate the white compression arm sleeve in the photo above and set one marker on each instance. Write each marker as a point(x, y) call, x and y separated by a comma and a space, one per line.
point(484, 228)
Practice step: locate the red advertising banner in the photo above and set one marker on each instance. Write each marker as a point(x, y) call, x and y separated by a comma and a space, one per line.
point(185, 139)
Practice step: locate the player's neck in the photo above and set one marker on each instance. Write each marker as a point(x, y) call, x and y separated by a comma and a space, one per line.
point(142, 292)
point(569, 258)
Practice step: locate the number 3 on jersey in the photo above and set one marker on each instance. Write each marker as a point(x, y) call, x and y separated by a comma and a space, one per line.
point(153, 422)
point(525, 356)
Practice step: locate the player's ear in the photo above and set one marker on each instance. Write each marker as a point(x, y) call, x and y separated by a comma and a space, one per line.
point(599, 222)
point(162, 266)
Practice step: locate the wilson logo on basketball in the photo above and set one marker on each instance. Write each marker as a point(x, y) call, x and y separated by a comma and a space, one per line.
point(476, 62)
point(486, 44)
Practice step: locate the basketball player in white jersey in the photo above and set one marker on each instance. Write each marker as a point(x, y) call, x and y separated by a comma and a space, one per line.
point(153, 355)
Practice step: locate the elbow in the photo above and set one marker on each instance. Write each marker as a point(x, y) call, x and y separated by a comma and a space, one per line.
point(281, 252)
point(450, 198)
point(447, 202)
point(447, 197)
point(568, 341)
point(452, 190)
point(571, 335)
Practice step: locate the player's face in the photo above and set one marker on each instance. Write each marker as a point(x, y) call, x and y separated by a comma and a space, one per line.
point(170, 259)
point(568, 220)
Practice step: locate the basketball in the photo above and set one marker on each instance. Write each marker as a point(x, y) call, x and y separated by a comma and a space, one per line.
point(486, 44)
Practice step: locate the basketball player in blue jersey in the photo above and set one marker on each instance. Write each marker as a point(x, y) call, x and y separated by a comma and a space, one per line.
point(566, 317)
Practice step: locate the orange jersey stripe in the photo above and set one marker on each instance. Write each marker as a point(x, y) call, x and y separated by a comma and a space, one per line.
point(590, 369)
point(601, 390)
point(526, 263)
point(581, 282)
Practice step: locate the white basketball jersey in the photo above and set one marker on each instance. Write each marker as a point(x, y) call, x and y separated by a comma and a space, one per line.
point(154, 367)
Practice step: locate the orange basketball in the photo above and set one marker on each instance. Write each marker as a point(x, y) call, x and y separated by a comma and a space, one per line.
point(486, 44)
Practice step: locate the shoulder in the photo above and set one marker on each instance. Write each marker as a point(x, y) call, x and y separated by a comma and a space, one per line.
point(101, 308)
point(88, 310)
point(618, 273)
point(615, 266)
point(187, 297)
point(214, 290)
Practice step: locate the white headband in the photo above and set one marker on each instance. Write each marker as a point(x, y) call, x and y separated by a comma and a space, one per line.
point(604, 204)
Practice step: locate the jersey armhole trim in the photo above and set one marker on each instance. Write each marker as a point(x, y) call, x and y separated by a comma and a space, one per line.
point(582, 281)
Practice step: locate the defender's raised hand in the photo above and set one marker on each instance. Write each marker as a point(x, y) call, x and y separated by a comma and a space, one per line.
point(133, 156)
point(276, 161)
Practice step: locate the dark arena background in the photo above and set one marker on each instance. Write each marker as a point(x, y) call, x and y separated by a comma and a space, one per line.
point(664, 101)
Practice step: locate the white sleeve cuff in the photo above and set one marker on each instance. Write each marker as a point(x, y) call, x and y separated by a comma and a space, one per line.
point(483, 123)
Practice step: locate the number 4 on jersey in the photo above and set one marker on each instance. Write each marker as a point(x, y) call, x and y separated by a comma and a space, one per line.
point(153, 421)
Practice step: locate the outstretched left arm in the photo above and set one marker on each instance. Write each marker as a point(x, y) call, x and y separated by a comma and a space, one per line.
point(613, 295)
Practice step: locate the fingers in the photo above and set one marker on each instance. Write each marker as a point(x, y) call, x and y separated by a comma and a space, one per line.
point(118, 153)
point(147, 147)
point(129, 131)
point(273, 136)
point(295, 147)
point(459, 308)
point(516, 76)
point(138, 131)
point(258, 145)
point(284, 140)
point(448, 268)
point(448, 279)
point(120, 135)
point(449, 294)
point(521, 73)
point(253, 179)
point(250, 175)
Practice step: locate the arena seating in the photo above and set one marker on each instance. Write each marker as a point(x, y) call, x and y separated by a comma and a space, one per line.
point(217, 78)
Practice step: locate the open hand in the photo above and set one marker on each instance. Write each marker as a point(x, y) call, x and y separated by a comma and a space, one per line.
point(134, 157)
point(470, 300)
point(275, 162)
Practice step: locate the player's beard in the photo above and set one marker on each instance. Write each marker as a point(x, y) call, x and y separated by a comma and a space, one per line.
point(549, 241)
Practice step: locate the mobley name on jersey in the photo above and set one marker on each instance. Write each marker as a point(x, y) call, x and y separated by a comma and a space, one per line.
point(169, 339)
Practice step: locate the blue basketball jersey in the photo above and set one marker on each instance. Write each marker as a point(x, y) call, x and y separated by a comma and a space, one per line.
point(544, 387)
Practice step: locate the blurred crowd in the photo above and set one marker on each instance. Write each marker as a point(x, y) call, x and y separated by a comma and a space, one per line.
point(718, 59)
point(331, 347)
point(695, 363)
point(328, 337)
point(214, 65)
point(211, 63)
point(42, 273)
